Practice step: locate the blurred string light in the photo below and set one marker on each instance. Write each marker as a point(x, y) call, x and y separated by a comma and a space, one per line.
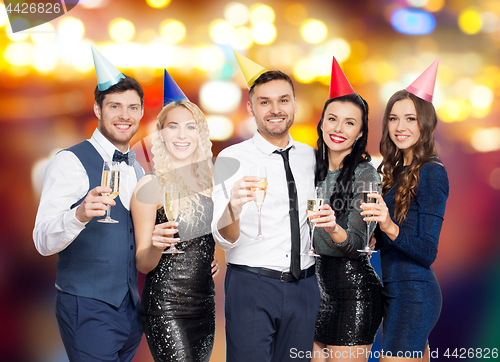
point(220, 127)
point(81, 58)
point(454, 110)
point(302, 71)
point(222, 31)
point(19, 53)
point(209, 58)
point(314, 31)
point(236, 13)
point(172, 31)
point(469, 21)
point(481, 97)
point(70, 30)
point(417, 3)
point(263, 33)
point(242, 38)
point(44, 34)
point(486, 139)
point(434, 5)
point(413, 22)
point(490, 22)
point(220, 97)
point(93, 4)
point(121, 30)
point(45, 58)
point(263, 30)
point(125, 55)
point(158, 4)
point(261, 13)
point(159, 55)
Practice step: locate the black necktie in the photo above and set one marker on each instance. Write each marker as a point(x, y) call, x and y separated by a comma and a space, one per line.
point(294, 214)
point(128, 157)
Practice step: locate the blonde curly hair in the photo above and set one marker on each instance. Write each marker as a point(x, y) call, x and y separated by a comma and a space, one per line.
point(201, 159)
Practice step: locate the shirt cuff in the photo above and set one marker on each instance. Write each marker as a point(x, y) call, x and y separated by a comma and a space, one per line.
point(223, 243)
point(72, 225)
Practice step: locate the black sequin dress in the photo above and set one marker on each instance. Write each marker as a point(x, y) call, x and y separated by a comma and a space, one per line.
point(351, 307)
point(178, 306)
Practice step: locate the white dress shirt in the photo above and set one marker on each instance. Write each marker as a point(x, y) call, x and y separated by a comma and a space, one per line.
point(65, 182)
point(275, 251)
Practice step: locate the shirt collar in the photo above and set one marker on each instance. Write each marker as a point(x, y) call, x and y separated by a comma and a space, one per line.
point(268, 148)
point(105, 144)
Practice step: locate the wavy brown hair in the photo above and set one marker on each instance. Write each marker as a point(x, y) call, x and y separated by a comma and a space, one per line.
point(201, 159)
point(423, 151)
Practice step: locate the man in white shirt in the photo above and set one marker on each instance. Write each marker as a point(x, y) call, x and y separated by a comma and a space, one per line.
point(97, 302)
point(270, 309)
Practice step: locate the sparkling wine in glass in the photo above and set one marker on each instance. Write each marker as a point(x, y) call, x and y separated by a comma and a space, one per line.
point(370, 187)
point(110, 178)
point(260, 194)
point(172, 207)
point(314, 202)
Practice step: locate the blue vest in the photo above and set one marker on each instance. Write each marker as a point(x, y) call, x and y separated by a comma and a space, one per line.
point(100, 262)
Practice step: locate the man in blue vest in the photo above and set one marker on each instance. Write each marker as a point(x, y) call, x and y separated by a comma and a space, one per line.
point(97, 302)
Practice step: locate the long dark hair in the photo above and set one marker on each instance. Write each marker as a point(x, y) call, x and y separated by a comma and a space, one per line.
point(342, 189)
point(423, 150)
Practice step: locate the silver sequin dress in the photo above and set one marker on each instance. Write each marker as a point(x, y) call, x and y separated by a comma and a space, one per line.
point(351, 308)
point(178, 306)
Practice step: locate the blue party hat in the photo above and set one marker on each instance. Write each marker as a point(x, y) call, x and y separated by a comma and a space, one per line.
point(107, 74)
point(171, 91)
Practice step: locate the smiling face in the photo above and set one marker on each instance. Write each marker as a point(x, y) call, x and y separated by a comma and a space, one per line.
point(180, 135)
point(119, 117)
point(273, 106)
point(341, 127)
point(403, 126)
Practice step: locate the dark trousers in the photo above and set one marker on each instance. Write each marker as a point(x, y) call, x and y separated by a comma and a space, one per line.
point(269, 320)
point(95, 331)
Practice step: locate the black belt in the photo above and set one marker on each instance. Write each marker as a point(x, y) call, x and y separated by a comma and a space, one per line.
point(281, 276)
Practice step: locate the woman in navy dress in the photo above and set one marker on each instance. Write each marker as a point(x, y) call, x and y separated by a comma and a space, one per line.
point(410, 215)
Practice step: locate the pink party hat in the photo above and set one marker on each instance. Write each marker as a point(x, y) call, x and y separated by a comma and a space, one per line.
point(339, 85)
point(423, 86)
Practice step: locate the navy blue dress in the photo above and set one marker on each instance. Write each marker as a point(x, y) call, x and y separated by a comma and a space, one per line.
point(411, 293)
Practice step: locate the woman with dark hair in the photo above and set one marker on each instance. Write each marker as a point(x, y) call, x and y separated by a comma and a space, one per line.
point(410, 215)
point(351, 307)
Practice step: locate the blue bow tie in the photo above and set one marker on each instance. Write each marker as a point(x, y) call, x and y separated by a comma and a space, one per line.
point(129, 157)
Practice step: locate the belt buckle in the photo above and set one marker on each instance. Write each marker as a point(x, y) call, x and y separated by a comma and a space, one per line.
point(281, 277)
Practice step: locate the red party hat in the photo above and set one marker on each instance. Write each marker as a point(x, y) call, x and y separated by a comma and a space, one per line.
point(423, 86)
point(339, 85)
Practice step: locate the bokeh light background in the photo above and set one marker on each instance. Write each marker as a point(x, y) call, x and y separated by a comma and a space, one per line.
point(47, 82)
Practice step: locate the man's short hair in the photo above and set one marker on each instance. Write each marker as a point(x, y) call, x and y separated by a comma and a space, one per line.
point(125, 84)
point(269, 76)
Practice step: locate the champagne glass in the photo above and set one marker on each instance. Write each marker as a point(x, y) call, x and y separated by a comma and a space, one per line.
point(314, 202)
point(172, 206)
point(369, 187)
point(110, 178)
point(260, 194)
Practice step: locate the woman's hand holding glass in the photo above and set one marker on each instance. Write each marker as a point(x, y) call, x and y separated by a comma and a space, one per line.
point(325, 218)
point(163, 235)
point(380, 213)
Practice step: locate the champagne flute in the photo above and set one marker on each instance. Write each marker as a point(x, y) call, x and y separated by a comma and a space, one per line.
point(172, 206)
point(260, 194)
point(314, 202)
point(370, 187)
point(110, 178)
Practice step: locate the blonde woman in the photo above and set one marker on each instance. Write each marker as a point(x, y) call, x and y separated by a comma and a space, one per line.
point(177, 307)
